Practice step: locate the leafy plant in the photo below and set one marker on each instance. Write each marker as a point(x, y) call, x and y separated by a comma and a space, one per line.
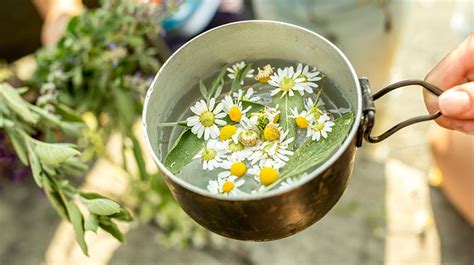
point(100, 69)
point(50, 163)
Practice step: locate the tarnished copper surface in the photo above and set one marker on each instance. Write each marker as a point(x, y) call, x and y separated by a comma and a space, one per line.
point(273, 217)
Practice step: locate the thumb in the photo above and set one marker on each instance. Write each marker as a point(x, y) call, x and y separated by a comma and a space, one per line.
point(458, 102)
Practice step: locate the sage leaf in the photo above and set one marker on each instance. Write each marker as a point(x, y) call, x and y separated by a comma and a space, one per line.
point(138, 155)
point(285, 105)
point(18, 144)
point(35, 165)
point(125, 106)
point(122, 215)
point(312, 153)
point(55, 198)
point(103, 206)
point(54, 154)
point(91, 224)
point(15, 102)
point(110, 227)
point(186, 147)
point(78, 224)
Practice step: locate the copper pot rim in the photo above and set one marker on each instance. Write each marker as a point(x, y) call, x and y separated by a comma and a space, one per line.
point(272, 193)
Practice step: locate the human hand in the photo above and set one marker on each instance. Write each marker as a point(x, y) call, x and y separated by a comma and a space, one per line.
point(455, 74)
point(58, 14)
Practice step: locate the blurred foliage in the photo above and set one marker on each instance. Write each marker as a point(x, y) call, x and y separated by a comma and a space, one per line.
point(96, 75)
point(21, 121)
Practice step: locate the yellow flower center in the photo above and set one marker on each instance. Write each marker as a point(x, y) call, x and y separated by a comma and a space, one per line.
point(271, 132)
point(264, 74)
point(268, 175)
point(248, 138)
point(238, 169)
point(235, 114)
point(227, 132)
point(208, 154)
point(287, 84)
point(302, 122)
point(228, 186)
point(235, 147)
point(207, 118)
point(318, 127)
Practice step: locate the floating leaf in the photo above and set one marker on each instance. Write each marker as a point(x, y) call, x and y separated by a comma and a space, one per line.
point(54, 154)
point(103, 206)
point(217, 84)
point(78, 224)
point(239, 77)
point(186, 147)
point(312, 153)
point(285, 105)
point(110, 227)
point(255, 107)
point(91, 224)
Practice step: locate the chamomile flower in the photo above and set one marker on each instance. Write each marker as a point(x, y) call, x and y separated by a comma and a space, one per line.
point(212, 155)
point(310, 77)
point(237, 151)
point(287, 81)
point(248, 96)
point(265, 175)
point(312, 108)
point(288, 182)
point(302, 119)
point(259, 120)
point(234, 109)
point(320, 127)
point(263, 75)
point(207, 117)
point(234, 70)
point(228, 186)
point(274, 153)
point(235, 167)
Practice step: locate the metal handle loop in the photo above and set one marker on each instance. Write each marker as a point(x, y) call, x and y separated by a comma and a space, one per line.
point(369, 110)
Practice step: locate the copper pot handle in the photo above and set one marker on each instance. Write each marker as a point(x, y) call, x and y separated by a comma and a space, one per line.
point(368, 109)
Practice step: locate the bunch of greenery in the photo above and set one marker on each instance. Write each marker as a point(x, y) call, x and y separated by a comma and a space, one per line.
point(98, 71)
point(51, 162)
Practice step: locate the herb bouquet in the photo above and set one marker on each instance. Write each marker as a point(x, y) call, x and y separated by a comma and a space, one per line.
point(90, 84)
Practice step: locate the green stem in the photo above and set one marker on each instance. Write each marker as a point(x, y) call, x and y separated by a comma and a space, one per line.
point(169, 124)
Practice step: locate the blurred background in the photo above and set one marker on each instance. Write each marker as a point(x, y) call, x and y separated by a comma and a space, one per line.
point(402, 206)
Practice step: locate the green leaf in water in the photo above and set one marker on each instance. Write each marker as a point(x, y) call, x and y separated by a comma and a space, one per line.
point(239, 78)
point(312, 153)
point(186, 147)
point(103, 206)
point(285, 105)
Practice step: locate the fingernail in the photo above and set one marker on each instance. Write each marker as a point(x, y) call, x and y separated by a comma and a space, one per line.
point(454, 102)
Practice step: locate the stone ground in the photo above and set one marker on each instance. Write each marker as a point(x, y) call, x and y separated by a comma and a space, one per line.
point(388, 214)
